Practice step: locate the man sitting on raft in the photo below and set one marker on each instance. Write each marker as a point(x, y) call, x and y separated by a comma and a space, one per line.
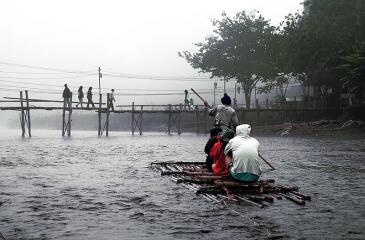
point(245, 152)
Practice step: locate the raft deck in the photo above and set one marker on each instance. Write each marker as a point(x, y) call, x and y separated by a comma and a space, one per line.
point(195, 176)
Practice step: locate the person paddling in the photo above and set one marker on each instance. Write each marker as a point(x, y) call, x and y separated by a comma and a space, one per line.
point(245, 166)
point(225, 116)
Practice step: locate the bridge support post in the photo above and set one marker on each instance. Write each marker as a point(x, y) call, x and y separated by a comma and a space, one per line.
point(137, 121)
point(28, 115)
point(66, 125)
point(99, 116)
point(22, 116)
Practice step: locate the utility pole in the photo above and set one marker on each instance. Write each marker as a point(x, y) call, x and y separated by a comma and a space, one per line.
point(100, 76)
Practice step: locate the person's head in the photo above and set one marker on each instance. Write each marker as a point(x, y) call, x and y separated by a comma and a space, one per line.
point(215, 131)
point(113, 90)
point(226, 100)
point(227, 135)
point(65, 85)
point(80, 87)
point(90, 88)
point(243, 130)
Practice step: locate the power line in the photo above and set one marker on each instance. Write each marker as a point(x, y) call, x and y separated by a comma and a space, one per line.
point(39, 73)
point(43, 68)
point(158, 79)
point(157, 76)
point(47, 78)
point(117, 89)
point(51, 91)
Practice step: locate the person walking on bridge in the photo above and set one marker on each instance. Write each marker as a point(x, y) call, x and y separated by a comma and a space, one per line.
point(225, 116)
point(66, 96)
point(80, 96)
point(90, 98)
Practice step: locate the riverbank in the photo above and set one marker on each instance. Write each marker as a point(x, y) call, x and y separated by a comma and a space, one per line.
point(321, 127)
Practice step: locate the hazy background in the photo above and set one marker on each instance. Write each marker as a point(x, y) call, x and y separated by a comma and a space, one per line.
point(126, 37)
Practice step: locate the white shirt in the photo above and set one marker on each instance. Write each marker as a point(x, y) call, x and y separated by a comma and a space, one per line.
point(245, 151)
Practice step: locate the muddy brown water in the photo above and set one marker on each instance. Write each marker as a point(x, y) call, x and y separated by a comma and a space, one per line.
point(87, 187)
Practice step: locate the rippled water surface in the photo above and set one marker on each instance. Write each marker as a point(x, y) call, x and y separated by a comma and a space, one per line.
point(86, 187)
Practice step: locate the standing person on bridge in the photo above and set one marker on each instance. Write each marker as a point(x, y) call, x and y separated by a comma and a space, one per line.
point(225, 116)
point(66, 96)
point(111, 99)
point(90, 98)
point(81, 96)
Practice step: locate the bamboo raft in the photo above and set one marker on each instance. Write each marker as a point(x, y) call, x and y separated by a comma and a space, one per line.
point(195, 176)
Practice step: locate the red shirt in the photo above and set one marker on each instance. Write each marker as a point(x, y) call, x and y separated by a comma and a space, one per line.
point(217, 153)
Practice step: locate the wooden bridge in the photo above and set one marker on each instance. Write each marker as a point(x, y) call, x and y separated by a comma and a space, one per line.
point(257, 116)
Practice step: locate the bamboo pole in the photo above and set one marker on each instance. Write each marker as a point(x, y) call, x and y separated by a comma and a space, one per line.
point(197, 120)
point(22, 121)
point(69, 116)
point(133, 118)
point(99, 115)
point(107, 115)
point(169, 128)
point(205, 121)
point(28, 114)
point(140, 121)
point(63, 117)
point(179, 122)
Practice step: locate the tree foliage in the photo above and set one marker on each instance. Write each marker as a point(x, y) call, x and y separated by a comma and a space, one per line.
point(239, 49)
point(321, 47)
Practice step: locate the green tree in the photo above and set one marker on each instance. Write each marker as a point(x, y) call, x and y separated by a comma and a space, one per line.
point(352, 69)
point(327, 30)
point(239, 49)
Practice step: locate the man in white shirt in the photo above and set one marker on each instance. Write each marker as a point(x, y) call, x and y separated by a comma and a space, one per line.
point(245, 153)
point(225, 116)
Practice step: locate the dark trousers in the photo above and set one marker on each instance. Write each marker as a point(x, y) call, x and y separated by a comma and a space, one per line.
point(111, 105)
point(90, 101)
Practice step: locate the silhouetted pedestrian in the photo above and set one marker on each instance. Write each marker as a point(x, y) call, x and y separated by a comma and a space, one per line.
point(90, 98)
point(80, 96)
point(66, 96)
point(111, 100)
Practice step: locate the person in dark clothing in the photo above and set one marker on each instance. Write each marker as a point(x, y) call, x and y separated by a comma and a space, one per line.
point(214, 137)
point(90, 98)
point(81, 96)
point(111, 99)
point(66, 96)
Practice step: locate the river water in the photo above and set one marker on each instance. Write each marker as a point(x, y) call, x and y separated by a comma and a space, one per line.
point(87, 187)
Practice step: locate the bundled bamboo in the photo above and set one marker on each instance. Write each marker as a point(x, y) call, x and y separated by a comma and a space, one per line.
point(195, 176)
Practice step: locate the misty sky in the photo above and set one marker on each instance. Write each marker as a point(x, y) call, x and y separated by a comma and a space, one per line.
point(128, 37)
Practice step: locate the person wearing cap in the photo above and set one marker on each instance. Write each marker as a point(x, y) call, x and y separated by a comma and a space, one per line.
point(214, 137)
point(225, 116)
point(111, 99)
point(220, 167)
point(245, 166)
point(66, 96)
